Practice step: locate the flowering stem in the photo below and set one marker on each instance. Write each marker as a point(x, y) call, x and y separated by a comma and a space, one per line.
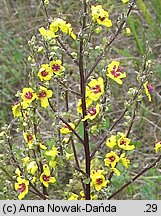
point(102, 54)
point(65, 122)
point(83, 93)
point(136, 177)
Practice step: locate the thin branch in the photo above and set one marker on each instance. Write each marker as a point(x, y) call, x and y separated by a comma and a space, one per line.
point(66, 123)
point(136, 177)
point(67, 88)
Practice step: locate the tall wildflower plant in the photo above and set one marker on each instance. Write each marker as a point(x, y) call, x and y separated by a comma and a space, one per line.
point(76, 153)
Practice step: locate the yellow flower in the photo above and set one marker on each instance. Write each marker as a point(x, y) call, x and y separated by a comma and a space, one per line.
point(29, 139)
point(124, 143)
point(100, 16)
point(45, 73)
point(32, 167)
point(111, 142)
point(115, 72)
point(125, 1)
point(33, 180)
point(98, 180)
point(60, 24)
point(69, 156)
point(95, 89)
point(52, 163)
point(43, 96)
point(42, 146)
point(73, 196)
point(65, 129)
point(116, 171)
point(47, 34)
point(79, 105)
point(56, 67)
point(21, 187)
point(52, 153)
point(127, 31)
point(157, 147)
point(148, 90)
point(111, 159)
point(18, 172)
point(45, 177)
point(125, 162)
point(92, 112)
point(28, 95)
point(17, 109)
point(93, 197)
point(25, 160)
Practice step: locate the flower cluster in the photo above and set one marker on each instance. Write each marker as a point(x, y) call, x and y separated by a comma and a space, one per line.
point(55, 26)
point(94, 91)
point(119, 141)
point(31, 166)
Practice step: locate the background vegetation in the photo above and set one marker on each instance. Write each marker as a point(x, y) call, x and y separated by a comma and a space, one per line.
point(20, 19)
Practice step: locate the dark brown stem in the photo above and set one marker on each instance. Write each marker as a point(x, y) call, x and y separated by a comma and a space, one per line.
point(101, 56)
point(38, 192)
point(83, 93)
point(136, 177)
point(77, 167)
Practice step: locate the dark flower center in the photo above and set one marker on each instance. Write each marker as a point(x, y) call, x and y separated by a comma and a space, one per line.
point(16, 103)
point(22, 187)
point(150, 88)
point(28, 95)
point(112, 158)
point(116, 73)
point(46, 178)
point(123, 142)
point(92, 111)
point(56, 67)
point(96, 89)
point(44, 73)
point(101, 18)
point(42, 94)
point(29, 137)
point(99, 181)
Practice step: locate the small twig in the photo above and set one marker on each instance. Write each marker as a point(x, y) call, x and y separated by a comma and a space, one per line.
point(66, 123)
point(136, 177)
point(38, 192)
point(69, 89)
point(77, 167)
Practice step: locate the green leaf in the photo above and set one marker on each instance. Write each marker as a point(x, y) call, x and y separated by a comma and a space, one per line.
point(107, 123)
point(86, 180)
point(133, 28)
